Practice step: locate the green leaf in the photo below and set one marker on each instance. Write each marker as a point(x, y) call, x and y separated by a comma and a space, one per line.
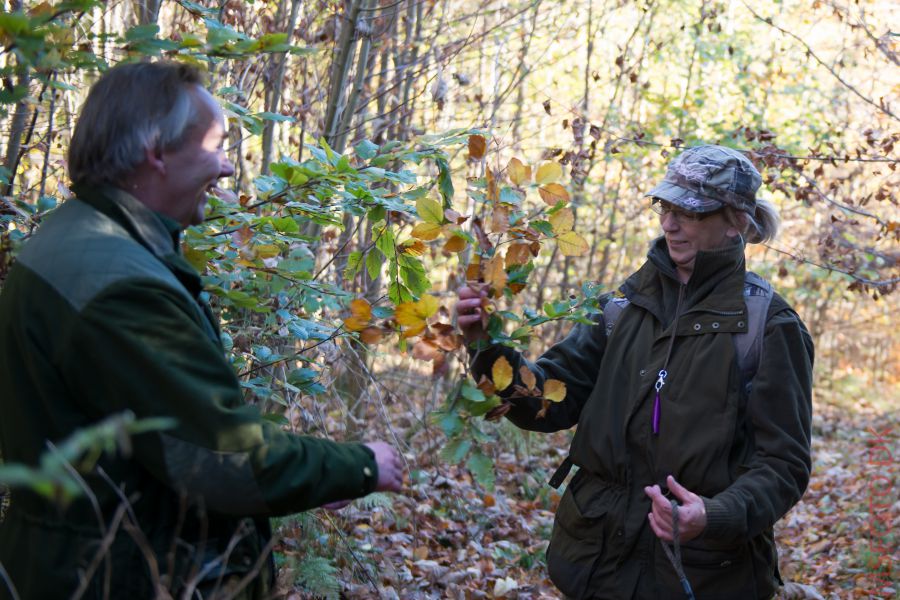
point(430, 210)
point(385, 243)
point(472, 393)
point(456, 450)
point(142, 32)
point(451, 424)
point(482, 468)
point(354, 260)
point(365, 149)
point(445, 183)
point(270, 116)
point(374, 261)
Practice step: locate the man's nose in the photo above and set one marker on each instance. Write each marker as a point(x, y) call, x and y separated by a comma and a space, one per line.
point(226, 169)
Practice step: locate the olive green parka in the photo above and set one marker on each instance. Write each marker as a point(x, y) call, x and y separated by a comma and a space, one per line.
point(745, 449)
point(102, 314)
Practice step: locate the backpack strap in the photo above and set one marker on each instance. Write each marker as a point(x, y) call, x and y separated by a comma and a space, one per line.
point(612, 311)
point(758, 294)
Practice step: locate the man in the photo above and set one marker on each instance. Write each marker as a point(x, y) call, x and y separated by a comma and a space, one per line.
point(674, 407)
point(101, 314)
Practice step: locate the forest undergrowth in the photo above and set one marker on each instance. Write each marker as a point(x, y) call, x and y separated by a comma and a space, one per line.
point(448, 537)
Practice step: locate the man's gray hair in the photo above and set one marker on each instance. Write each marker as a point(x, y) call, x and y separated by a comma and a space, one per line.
point(130, 109)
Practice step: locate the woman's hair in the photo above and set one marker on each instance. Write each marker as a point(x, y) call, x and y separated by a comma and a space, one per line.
point(132, 108)
point(758, 228)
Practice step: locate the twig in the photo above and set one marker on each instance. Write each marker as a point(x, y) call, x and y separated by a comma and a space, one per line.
point(82, 587)
point(771, 23)
point(257, 567)
point(334, 335)
point(352, 553)
point(845, 207)
point(830, 268)
point(102, 552)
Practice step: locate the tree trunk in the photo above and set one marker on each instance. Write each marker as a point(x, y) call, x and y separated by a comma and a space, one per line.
point(276, 87)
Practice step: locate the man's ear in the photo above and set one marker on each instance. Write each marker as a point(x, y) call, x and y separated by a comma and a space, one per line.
point(154, 159)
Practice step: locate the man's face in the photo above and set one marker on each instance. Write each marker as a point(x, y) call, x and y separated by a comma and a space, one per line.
point(193, 169)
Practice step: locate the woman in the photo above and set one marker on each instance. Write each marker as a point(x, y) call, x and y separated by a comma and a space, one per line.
point(669, 419)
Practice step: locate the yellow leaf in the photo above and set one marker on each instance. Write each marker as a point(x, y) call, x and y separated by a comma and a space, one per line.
point(426, 231)
point(456, 243)
point(413, 248)
point(430, 210)
point(495, 275)
point(554, 390)
point(548, 173)
point(477, 146)
point(360, 315)
point(552, 193)
point(572, 244)
point(518, 173)
point(412, 315)
point(428, 305)
point(268, 250)
point(562, 221)
point(501, 373)
point(527, 377)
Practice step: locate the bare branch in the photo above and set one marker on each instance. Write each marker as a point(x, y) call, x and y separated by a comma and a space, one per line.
point(771, 23)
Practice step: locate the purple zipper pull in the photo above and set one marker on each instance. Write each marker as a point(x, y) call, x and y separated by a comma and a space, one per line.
point(660, 382)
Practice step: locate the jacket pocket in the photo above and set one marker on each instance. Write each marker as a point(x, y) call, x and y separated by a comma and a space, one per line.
point(578, 538)
point(713, 573)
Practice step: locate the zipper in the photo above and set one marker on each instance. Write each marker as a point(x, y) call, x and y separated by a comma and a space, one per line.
point(663, 373)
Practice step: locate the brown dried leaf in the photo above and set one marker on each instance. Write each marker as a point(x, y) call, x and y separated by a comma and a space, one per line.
point(518, 253)
point(500, 219)
point(477, 146)
point(498, 412)
point(456, 243)
point(495, 274)
point(527, 377)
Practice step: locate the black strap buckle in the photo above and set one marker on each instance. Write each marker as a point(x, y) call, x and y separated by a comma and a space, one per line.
point(561, 473)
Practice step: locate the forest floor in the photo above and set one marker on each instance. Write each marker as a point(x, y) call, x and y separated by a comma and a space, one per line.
point(449, 538)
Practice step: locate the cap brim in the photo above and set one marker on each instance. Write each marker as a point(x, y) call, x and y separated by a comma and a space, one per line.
point(684, 198)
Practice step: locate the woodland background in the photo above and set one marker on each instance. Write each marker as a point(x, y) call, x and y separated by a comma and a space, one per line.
point(387, 150)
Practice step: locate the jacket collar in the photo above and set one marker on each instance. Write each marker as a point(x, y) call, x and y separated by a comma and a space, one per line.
point(717, 282)
point(156, 232)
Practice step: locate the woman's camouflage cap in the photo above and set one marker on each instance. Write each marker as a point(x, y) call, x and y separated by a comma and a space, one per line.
point(706, 178)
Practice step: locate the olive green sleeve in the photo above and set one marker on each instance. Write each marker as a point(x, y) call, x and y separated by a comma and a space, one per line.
point(139, 346)
point(780, 413)
point(575, 361)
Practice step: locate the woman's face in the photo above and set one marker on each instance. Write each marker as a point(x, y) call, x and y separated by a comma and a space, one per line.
point(686, 237)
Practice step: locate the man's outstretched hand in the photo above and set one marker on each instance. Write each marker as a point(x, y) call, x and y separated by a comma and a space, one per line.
point(390, 472)
point(390, 469)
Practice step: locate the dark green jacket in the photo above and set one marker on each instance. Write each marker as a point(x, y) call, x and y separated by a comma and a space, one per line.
point(101, 314)
point(747, 456)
